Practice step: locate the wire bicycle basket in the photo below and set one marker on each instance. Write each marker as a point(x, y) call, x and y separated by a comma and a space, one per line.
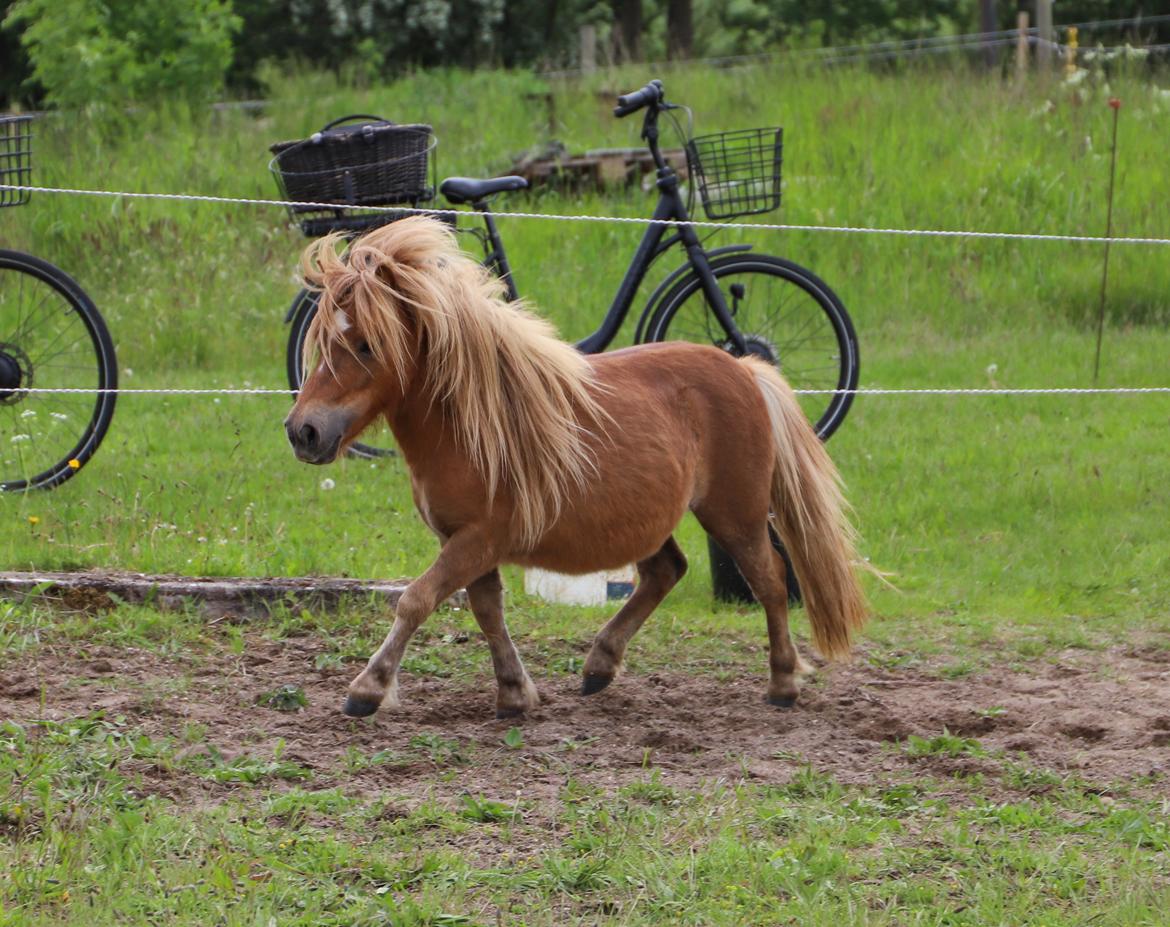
point(737, 173)
point(15, 158)
point(373, 162)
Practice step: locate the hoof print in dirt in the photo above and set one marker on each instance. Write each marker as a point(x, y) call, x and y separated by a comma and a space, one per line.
point(359, 707)
point(594, 683)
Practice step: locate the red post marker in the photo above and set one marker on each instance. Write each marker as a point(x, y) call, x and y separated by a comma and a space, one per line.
point(1115, 105)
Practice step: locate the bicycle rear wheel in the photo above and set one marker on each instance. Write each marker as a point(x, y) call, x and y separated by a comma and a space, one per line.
point(304, 307)
point(788, 317)
point(51, 337)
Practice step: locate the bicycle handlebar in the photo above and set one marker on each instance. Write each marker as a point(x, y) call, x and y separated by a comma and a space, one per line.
point(632, 102)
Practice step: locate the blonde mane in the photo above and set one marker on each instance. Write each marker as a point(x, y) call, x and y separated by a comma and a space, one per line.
point(518, 397)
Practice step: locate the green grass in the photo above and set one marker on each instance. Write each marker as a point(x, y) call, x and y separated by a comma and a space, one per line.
point(1014, 527)
point(987, 510)
point(79, 844)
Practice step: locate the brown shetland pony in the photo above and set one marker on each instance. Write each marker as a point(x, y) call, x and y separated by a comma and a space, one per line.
point(521, 450)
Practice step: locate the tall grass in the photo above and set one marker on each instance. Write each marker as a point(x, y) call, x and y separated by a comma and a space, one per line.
point(931, 150)
point(1019, 507)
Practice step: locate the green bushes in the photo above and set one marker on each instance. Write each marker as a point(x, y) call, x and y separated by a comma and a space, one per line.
point(87, 51)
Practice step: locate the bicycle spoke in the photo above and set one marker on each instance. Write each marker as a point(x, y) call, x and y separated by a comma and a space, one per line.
point(41, 359)
point(20, 333)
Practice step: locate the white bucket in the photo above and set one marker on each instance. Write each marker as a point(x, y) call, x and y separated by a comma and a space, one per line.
point(587, 589)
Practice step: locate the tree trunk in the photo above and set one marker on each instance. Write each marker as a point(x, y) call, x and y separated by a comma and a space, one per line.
point(680, 29)
point(551, 13)
point(988, 21)
point(628, 30)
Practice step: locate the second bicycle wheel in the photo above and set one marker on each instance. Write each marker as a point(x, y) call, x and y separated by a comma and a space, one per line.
point(304, 307)
point(51, 337)
point(788, 317)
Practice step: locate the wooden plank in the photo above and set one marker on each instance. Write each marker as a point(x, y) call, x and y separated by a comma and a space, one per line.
point(600, 166)
point(243, 597)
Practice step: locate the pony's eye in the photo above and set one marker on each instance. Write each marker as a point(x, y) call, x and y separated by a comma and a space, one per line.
point(364, 349)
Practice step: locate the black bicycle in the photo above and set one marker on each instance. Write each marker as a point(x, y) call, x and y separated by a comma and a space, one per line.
point(731, 297)
point(51, 337)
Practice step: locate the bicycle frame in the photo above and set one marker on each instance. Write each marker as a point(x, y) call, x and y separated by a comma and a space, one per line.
point(670, 209)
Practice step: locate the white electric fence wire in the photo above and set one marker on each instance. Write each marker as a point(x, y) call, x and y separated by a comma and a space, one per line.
point(992, 391)
point(834, 54)
point(628, 220)
point(913, 52)
point(862, 391)
point(1090, 52)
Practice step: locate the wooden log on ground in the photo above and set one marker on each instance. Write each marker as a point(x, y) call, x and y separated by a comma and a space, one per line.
point(216, 597)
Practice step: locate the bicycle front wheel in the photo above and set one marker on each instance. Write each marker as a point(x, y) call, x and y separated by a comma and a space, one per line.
point(51, 337)
point(788, 317)
point(304, 307)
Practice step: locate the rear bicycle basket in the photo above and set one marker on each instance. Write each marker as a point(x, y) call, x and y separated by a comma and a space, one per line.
point(337, 170)
point(15, 158)
point(737, 173)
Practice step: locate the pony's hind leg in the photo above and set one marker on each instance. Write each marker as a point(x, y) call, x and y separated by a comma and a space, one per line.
point(763, 568)
point(464, 557)
point(516, 693)
point(657, 575)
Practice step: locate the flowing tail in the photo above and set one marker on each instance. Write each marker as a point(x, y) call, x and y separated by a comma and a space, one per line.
point(810, 514)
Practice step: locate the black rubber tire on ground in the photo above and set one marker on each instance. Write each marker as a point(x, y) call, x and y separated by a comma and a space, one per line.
point(51, 336)
point(304, 307)
point(788, 315)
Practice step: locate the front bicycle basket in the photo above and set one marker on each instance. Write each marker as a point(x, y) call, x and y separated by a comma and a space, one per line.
point(737, 173)
point(373, 163)
point(15, 158)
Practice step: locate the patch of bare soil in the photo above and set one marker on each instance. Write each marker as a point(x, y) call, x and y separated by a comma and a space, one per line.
point(1104, 716)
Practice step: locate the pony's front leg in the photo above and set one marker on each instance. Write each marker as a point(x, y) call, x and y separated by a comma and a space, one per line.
point(516, 693)
point(466, 556)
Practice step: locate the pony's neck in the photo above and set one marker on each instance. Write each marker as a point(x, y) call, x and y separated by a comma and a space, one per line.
point(420, 427)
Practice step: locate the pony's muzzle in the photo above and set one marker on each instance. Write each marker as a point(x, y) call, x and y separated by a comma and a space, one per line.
point(316, 439)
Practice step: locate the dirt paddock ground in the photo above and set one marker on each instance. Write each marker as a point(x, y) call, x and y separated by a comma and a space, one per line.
point(1102, 716)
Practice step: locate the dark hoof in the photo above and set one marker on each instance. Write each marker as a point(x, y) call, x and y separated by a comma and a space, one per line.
point(359, 707)
point(594, 683)
point(503, 714)
point(781, 701)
